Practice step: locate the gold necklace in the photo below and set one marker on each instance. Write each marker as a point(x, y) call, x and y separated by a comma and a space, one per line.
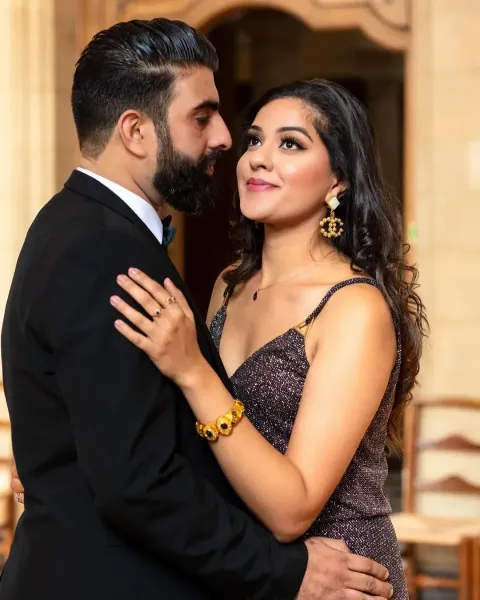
point(260, 289)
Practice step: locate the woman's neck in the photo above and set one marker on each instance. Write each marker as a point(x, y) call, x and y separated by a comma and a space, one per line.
point(289, 252)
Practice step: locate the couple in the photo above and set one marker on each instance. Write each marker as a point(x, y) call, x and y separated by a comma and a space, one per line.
point(150, 466)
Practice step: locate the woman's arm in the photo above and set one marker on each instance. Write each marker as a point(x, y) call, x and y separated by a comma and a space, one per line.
point(349, 372)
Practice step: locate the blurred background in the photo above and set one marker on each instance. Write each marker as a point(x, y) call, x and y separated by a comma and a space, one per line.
point(415, 64)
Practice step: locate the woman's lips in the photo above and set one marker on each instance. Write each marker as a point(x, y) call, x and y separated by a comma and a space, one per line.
point(259, 185)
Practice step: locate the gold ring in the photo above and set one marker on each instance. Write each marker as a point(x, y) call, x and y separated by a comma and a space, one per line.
point(170, 300)
point(156, 314)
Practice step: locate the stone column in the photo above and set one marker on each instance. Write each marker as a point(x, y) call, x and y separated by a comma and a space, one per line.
point(27, 99)
point(443, 180)
point(443, 79)
point(68, 45)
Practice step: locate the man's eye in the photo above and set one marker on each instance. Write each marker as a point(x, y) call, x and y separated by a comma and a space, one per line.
point(202, 121)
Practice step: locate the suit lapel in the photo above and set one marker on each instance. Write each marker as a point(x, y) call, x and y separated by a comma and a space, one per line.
point(88, 186)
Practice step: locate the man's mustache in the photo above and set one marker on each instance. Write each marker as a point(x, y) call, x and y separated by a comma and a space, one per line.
point(209, 159)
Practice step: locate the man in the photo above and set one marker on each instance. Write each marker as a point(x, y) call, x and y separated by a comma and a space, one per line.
point(122, 497)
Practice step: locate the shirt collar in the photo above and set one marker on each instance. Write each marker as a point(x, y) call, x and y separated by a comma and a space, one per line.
point(143, 209)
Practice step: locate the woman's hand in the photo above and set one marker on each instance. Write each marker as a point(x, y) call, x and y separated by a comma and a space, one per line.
point(16, 485)
point(169, 337)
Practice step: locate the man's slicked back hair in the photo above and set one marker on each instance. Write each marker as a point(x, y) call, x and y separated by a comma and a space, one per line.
point(132, 66)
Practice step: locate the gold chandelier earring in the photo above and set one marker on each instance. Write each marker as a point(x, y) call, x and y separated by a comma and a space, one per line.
point(332, 226)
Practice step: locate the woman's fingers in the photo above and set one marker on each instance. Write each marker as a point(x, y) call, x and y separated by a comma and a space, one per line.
point(139, 340)
point(154, 289)
point(170, 337)
point(144, 289)
point(157, 332)
point(173, 291)
point(152, 295)
point(16, 485)
point(138, 293)
point(133, 315)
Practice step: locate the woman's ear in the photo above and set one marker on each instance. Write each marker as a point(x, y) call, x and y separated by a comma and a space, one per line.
point(338, 188)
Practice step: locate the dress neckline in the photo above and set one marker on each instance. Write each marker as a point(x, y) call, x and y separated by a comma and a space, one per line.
point(295, 330)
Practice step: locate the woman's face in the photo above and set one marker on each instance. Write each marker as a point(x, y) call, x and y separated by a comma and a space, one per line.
point(284, 176)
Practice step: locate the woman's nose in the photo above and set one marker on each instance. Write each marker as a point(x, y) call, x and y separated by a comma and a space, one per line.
point(260, 159)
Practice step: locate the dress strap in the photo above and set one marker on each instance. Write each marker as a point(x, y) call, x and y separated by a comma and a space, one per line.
point(305, 326)
point(227, 294)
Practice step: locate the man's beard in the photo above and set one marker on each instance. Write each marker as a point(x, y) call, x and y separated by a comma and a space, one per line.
point(184, 183)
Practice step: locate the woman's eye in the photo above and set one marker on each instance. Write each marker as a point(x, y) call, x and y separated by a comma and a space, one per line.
point(291, 144)
point(253, 140)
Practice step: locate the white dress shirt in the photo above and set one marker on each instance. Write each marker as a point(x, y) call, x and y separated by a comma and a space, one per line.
point(143, 209)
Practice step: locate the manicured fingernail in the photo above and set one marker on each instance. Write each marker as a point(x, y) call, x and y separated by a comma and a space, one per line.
point(133, 272)
point(118, 324)
point(114, 300)
point(168, 280)
point(121, 279)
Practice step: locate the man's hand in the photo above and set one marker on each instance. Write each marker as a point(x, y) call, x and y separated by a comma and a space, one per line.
point(333, 573)
point(16, 485)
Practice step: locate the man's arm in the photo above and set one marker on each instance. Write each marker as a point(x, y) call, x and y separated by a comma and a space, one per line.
point(123, 416)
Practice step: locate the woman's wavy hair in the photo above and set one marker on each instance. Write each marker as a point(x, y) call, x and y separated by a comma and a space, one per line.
point(373, 233)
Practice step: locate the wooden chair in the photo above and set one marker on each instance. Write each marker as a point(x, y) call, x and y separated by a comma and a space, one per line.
point(6, 497)
point(413, 526)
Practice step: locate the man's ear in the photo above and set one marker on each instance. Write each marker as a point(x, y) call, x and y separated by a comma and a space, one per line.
point(133, 130)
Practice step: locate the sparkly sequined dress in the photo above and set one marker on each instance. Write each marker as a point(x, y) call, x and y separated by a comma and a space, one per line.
point(270, 384)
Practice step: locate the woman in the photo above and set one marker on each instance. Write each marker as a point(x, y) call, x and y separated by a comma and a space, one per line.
point(317, 323)
point(319, 327)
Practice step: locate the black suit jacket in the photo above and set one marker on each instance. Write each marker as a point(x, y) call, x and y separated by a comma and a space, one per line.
point(123, 498)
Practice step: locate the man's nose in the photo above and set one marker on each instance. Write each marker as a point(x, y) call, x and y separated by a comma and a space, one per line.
point(221, 139)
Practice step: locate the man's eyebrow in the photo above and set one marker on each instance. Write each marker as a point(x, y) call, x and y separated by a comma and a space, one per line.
point(210, 104)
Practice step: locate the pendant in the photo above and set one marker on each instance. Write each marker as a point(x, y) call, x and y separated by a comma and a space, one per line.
point(255, 295)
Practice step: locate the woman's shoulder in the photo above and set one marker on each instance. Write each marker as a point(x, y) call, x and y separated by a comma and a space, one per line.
point(358, 299)
point(356, 310)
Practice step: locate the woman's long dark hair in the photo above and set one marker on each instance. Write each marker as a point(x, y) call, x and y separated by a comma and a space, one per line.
point(373, 234)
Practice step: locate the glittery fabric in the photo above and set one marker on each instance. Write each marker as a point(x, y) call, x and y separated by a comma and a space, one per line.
point(270, 384)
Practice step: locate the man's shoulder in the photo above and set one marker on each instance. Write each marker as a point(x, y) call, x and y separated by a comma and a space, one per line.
point(72, 227)
point(64, 218)
point(68, 205)
point(70, 218)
